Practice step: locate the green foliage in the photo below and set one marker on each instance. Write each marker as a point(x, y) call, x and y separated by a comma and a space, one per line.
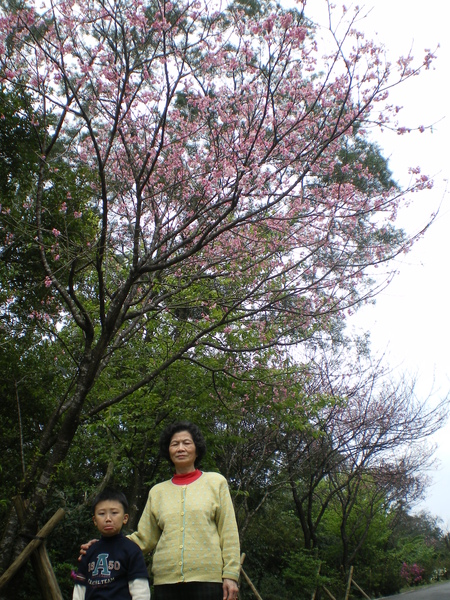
point(18, 145)
point(302, 573)
point(68, 222)
point(372, 174)
point(268, 543)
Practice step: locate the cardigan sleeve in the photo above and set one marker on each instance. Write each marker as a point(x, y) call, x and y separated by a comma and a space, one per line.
point(228, 534)
point(148, 531)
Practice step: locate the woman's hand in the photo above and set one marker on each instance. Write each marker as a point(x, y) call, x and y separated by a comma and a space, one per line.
point(230, 589)
point(85, 547)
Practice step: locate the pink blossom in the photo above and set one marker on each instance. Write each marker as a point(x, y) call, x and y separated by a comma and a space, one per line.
point(286, 20)
point(414, 170)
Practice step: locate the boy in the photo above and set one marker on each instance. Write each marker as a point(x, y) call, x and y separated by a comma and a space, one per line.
point(114, 567)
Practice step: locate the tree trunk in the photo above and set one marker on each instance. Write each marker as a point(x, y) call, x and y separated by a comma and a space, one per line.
point(7, 542)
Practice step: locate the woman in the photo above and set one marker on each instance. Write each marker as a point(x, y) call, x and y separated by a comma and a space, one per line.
point(189, 520)
point(190, 524)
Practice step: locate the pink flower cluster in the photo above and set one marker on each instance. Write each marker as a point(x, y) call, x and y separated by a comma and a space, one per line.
point(412, 574)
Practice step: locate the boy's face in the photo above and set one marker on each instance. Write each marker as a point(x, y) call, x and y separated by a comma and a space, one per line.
point(109, 517)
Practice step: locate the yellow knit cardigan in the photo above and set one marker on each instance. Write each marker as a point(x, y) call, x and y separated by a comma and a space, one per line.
point(193, 528)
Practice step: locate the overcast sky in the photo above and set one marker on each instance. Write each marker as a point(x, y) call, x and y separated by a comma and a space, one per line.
point(411, 318)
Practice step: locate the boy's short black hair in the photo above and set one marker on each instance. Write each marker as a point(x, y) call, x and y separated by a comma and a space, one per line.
point(110, 494)
point(194, 430)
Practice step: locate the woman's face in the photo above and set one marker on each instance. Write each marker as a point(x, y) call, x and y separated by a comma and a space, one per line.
point(182, 452)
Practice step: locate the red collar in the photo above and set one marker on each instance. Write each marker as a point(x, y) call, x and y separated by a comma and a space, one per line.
point(186, 478)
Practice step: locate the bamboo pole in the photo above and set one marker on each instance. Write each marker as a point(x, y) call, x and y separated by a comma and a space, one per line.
point(40, 560)
point(37, 541)
point(247, 579)
point(349, 583)
point(45, 575)
point(313, 596)
point(330, 595)
point(360, 590)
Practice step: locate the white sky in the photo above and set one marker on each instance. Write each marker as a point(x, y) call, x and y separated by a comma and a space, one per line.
point(410, 321)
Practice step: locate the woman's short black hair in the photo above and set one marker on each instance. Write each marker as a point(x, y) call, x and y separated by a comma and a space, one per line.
point(197, 437)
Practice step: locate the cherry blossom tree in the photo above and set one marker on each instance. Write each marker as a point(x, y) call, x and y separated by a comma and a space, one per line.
point(202, 183)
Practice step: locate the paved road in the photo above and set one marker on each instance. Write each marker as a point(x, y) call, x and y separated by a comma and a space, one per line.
point(440, 591)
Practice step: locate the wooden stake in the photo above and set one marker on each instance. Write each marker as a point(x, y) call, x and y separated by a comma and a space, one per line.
point(252, 587)
point(247, 578)
point(40, 560)
point(313, 597)
point(360, 590)
point(45, 575)
point(349, 583)
point(330, 595)
point(40, 537)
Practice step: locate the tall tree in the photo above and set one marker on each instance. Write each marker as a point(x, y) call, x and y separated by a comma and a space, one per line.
point(368, 442)
point(182, 192)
